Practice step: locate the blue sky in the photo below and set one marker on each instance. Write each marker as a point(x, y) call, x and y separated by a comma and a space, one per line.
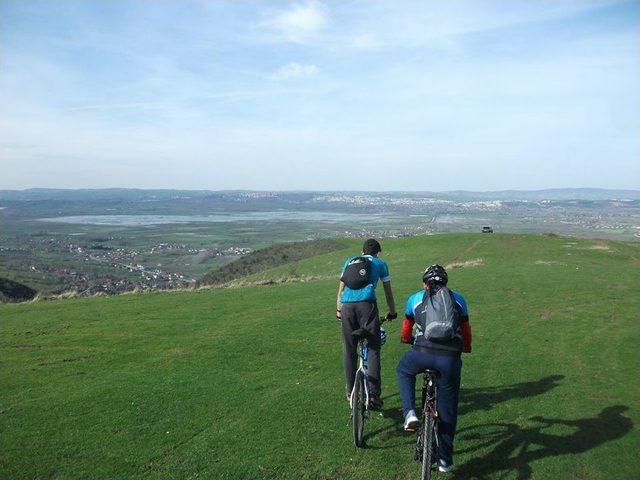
point(425, 95)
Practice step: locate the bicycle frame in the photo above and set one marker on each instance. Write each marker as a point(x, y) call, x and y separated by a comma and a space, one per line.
point(429, 395)
point(363, 366)
point(429, 405)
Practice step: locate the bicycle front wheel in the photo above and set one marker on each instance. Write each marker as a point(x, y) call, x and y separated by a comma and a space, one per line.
point(359, 407)
point(427, 445)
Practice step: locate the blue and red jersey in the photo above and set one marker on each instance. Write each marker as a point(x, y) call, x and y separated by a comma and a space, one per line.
point(415, 300)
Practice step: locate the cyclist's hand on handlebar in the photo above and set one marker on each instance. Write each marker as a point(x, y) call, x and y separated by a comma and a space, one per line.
point(391, 316)
point(338, 314)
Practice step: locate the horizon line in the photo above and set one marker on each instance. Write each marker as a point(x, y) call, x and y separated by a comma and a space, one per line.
point(164, 189)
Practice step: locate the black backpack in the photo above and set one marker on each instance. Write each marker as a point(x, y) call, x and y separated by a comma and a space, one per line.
point(357, 273)
point(438, 316)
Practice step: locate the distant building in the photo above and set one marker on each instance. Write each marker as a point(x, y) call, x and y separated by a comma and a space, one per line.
point(487, 230)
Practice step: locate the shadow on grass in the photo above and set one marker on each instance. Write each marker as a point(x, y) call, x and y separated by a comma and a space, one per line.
point(389, 432)
point(471, 399)
point(514, 448)
point(484, 398)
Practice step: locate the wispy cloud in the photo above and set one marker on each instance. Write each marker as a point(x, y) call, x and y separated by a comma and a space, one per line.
point(294, 71)
point(354, 26)
point(299, 23)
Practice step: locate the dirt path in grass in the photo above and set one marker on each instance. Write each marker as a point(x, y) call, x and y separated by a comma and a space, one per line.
point(467, 250)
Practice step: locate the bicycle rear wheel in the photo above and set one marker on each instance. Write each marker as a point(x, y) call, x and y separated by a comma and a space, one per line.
point(427, 445)
point(359, 407)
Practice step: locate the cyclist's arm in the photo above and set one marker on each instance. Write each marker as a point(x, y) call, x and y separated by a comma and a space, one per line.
point(407, 329)
point(406, 333)
point(340, 289)
point(465, 331)
point(388, 293)
point(465, 326)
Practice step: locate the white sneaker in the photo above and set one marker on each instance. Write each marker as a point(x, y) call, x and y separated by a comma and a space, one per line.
point(444, 467)
point(410, 421)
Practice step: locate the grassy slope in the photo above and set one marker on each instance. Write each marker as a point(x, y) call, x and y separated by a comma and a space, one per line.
point(247, 383)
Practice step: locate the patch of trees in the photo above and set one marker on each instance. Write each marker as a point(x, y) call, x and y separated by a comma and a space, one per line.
point(11, 291)
point(270, 257)
point(100, 247)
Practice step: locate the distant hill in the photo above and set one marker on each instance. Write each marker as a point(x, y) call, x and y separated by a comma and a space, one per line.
point(548, 194)
point(273, 198)
point(11, 291)
point(35, 194)
point(268, 258)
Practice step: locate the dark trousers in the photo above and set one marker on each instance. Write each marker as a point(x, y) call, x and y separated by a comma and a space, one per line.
point(448, 382)
point(357, 315)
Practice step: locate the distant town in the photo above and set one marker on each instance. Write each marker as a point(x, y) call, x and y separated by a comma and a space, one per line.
point(170, 239)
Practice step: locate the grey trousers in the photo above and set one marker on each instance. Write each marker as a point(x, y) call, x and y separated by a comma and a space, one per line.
point(357, 315)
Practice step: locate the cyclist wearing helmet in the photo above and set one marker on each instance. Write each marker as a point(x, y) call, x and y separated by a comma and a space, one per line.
point(440, 355)
point(357, 308)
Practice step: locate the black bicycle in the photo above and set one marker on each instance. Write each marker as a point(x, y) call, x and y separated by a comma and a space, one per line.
point(427, 438)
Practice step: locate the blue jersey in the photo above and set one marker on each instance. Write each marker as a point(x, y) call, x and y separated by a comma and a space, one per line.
point(379, 271)
point(416, 299)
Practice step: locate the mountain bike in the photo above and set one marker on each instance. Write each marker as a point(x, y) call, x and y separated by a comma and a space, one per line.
point(359, 398)
point(427, 438)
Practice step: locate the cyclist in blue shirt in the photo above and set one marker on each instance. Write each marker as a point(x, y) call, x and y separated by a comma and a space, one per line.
point(357, 308)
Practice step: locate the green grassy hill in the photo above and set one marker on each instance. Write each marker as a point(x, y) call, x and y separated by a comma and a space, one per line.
point(247, 382)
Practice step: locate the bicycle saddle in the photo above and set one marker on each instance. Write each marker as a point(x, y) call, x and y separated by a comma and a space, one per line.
point(360, 333)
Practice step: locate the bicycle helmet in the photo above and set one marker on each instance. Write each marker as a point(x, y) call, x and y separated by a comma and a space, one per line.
point(383, 336)
point(435, 274)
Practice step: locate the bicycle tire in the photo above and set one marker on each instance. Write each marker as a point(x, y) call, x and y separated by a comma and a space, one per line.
point(427, 444)
point(359, 407)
